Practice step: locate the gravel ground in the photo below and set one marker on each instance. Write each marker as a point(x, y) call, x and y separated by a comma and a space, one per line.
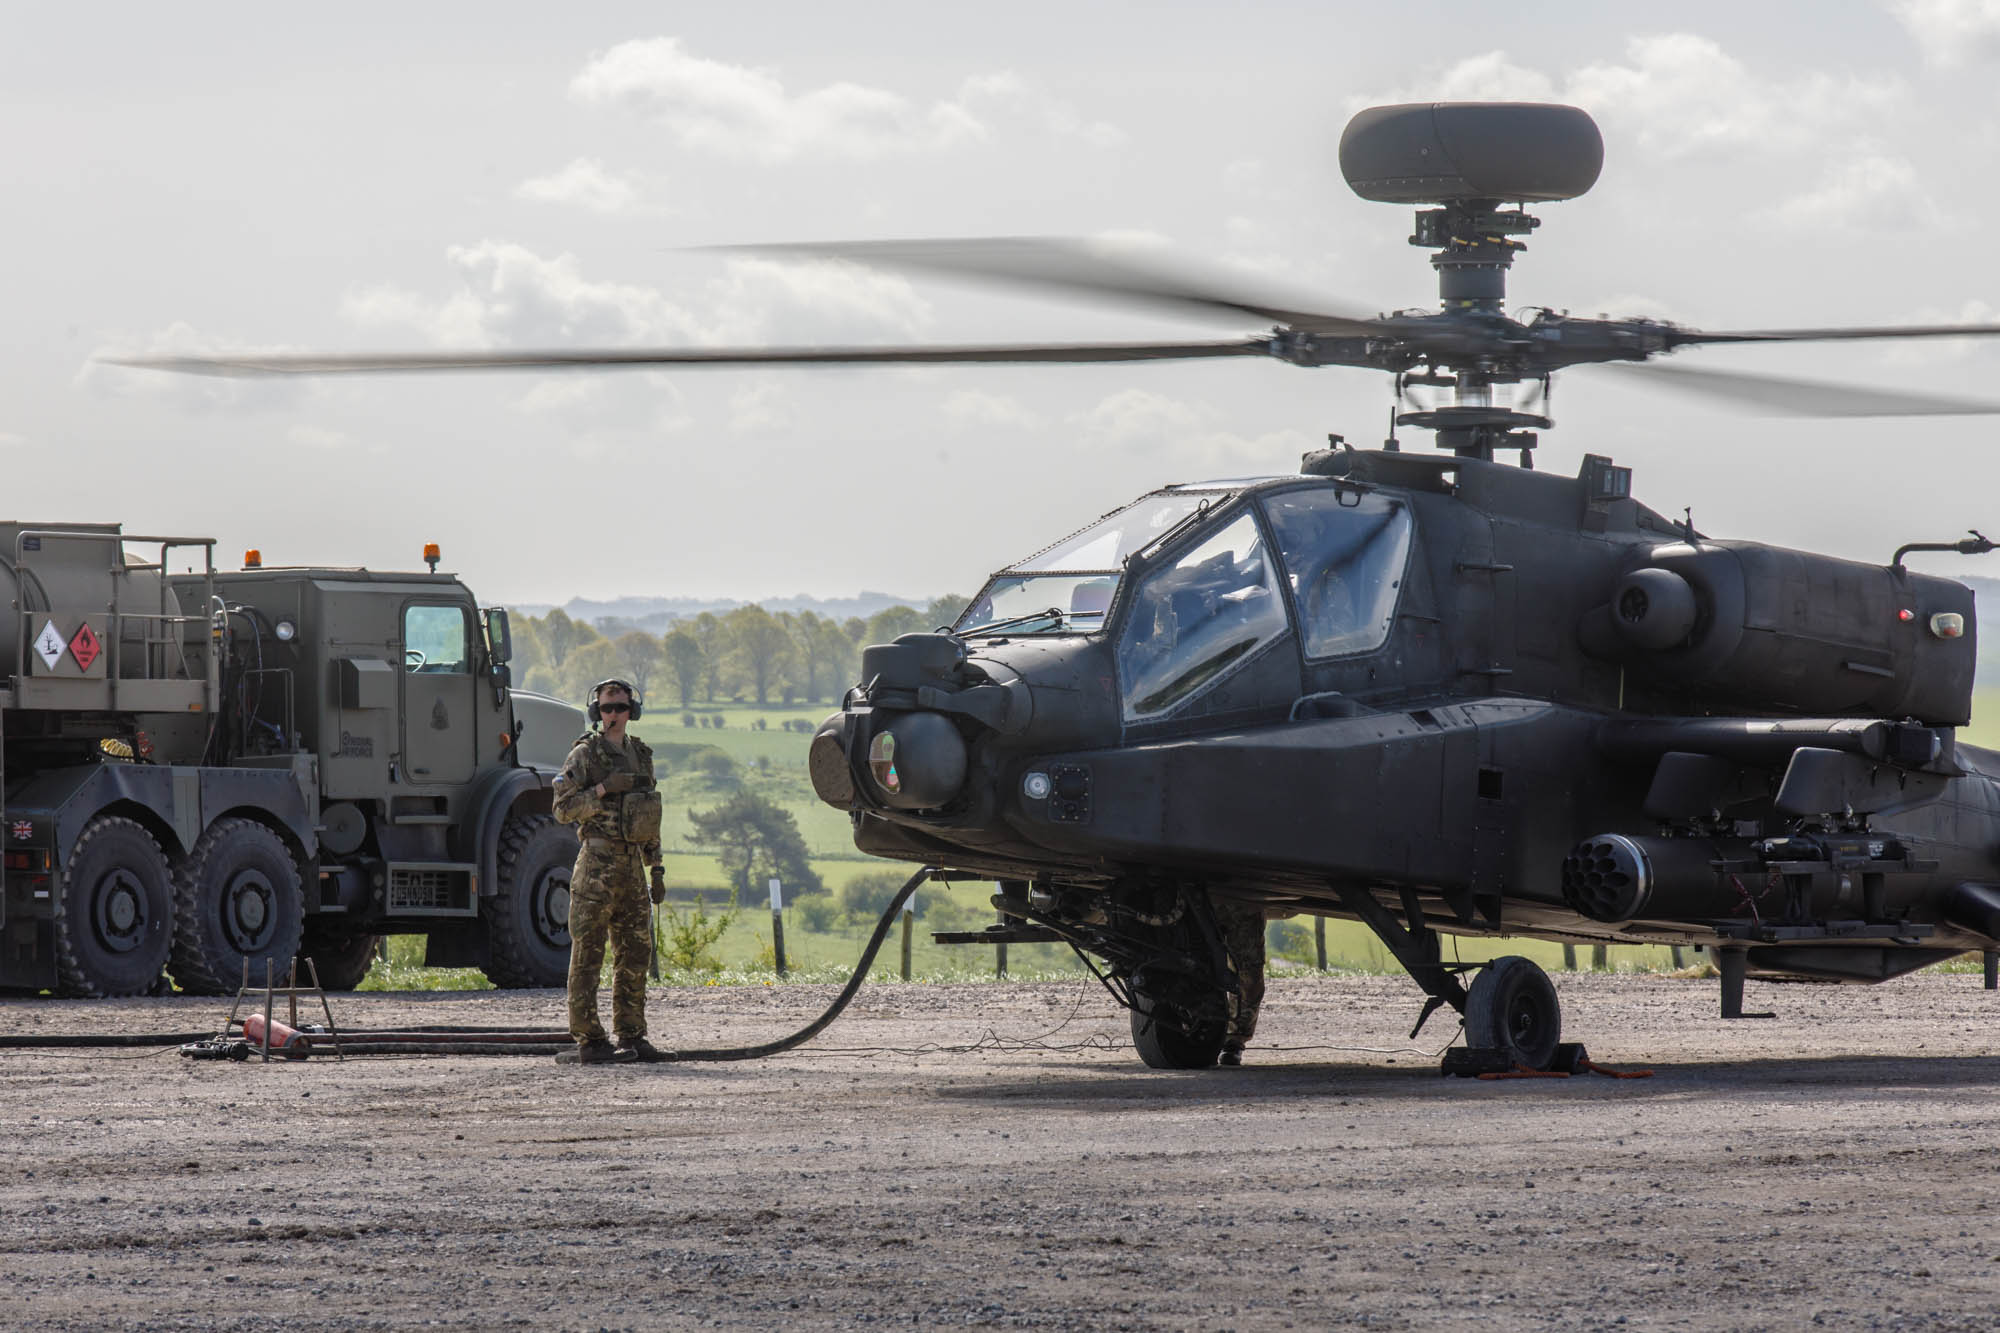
point(1831, 1167)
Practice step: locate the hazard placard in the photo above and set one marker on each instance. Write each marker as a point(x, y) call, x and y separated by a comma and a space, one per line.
point(49, 645)
point(83, 645)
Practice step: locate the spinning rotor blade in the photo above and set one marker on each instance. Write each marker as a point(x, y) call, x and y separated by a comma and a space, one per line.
point(370, 363)
point(1692, 337)
point(1809, 398)
point(1080, 268)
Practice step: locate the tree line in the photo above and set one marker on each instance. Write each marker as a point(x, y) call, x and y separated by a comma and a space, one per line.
point(747, 653)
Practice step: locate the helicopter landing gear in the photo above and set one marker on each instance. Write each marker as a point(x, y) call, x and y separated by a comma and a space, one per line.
point(1512, 1009)
point(1177, 1024)
point(1414, 944)
point(1733, 961)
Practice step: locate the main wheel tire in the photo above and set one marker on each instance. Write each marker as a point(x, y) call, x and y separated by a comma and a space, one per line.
point(1167, 1038)
point(114, 918)
point(1512, 1008)
point(527, 921)
point(341, 958)
point(237, 900)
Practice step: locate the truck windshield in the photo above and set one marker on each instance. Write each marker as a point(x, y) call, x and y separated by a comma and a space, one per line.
point(1067, 588)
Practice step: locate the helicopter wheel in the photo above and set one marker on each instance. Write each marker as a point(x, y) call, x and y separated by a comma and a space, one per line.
point(1511, 1007)
point(1170, 1035)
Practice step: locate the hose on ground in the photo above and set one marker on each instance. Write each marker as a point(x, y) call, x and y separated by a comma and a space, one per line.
point(818, 1025)
point(503, 1041)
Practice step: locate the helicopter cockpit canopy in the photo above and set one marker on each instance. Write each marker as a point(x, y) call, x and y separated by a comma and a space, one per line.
point(1068, 587)
point(1218, 599)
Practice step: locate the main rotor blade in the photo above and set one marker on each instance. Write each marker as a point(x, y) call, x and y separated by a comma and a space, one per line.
point(1809, 398)
point(1078, 267)
point(374, 363)
point(1692, 337)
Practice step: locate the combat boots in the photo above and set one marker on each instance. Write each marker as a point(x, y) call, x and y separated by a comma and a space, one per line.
point(598, 1052)
point(638, 1048)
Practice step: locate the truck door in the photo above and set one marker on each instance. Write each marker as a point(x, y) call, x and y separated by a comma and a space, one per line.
point(440, 704)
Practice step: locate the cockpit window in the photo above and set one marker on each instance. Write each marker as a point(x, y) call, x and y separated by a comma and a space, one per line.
point(1068, 587)
point(1345, 553)
point(1192, 620)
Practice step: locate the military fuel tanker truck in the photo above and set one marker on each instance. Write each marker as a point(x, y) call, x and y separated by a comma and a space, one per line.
point(205, 768)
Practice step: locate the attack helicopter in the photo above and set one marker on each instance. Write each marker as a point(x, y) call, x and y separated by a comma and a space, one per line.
point(1436, 693)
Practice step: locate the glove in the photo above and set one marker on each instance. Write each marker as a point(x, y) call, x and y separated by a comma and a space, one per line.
point(618, 782)
point(659, 884)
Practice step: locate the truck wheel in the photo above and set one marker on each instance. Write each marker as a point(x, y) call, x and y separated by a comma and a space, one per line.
point(114, 917)
point(1511, 1007)
point(237, 898)
point(341, 958)
point(528, 919)
point(1169, 1037)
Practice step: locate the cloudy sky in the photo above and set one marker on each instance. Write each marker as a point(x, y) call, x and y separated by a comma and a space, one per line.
point(371, 176)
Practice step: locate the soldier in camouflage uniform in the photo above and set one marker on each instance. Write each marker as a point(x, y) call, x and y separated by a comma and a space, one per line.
point(606, 788)
point(1243, 936)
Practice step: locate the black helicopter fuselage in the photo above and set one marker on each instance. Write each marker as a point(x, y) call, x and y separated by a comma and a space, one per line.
point(1469, 696)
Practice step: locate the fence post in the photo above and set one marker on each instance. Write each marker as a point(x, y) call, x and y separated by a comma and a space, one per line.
point(1569, 958)
point(909, 917)
point(778, 925)
point(1000, 950)
point(1600, 958)
point(1319, 941)
point(1679, 956)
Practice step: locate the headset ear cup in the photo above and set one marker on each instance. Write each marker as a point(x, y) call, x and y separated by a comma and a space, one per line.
point(637, 708)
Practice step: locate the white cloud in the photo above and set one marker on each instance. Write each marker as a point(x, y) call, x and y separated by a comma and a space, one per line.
point(1865, 191)
point(761, 407)
point(509, 296)
point(1683, 94)
point(1140, 415)
point(1676, 95)
point(1184, 439)
point(742, 112)
point(512, 297)
point(969, 408)
point(738, 111)
point(1009, 92)
point(586, 184)
point(1952, 32)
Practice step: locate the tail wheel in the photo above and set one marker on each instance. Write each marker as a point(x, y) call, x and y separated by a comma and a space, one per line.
point(341, 958)
point(1172, 1033)
point(114, 916)
point(237, 900)
point(527, 921)
point(1511, 1007)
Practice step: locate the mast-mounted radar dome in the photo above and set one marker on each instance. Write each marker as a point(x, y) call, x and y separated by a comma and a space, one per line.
point(1447, 152)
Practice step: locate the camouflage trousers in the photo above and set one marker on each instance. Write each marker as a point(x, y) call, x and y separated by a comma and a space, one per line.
point(1243, 936)
point(608, 901)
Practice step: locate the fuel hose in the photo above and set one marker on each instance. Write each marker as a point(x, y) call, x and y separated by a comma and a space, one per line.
point(462, 1040)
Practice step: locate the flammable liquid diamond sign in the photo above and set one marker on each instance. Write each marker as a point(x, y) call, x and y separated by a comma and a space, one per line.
point(83, 646)
point(49, 645)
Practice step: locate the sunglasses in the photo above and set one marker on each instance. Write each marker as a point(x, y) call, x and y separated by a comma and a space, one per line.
point(614, 706)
